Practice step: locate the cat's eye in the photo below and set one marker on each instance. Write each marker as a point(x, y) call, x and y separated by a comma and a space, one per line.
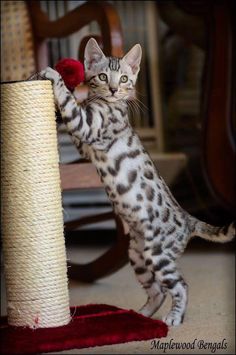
point(102, 77)
point(124, 79)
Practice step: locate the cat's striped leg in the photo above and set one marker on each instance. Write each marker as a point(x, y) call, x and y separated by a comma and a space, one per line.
point(156, 293)
point(156, 296)
point(146, 278)
point(171, 279)
point(179, 292)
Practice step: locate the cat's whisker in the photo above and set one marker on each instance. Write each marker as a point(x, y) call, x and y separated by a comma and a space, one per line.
point(131, 107)
point(93, 98)
point(138, 109)
point(140, 94)
point(139, 101)
point(132, 111)
point(135, 108)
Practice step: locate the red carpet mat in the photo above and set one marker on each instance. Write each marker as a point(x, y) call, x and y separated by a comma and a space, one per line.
point(91, 325)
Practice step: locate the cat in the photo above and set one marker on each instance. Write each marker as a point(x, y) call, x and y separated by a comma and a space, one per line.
point(159, 228)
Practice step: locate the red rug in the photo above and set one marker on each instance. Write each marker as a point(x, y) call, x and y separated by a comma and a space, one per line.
point(91, 325)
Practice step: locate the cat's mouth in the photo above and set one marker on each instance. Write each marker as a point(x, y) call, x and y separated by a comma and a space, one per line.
point(112, 98)
point(116, 97)
point(108, 97)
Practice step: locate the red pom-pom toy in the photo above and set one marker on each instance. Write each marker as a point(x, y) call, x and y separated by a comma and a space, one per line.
point(72, 72)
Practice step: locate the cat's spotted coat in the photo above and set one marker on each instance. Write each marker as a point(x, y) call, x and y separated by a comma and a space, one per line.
point(159, 228)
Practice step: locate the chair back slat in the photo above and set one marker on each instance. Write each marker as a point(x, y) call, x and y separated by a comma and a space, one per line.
point(17, 61)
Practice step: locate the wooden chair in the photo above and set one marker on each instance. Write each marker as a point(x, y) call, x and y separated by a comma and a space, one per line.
point(25, 28)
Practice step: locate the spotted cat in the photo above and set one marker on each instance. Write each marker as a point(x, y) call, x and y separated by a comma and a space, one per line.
point(159, 228)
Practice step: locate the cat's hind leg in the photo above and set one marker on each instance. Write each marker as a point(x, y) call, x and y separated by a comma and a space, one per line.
point(178, 290)
point(156, 296)
point(146, 277)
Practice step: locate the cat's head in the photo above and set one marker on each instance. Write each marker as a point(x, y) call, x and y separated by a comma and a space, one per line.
point(111, 78)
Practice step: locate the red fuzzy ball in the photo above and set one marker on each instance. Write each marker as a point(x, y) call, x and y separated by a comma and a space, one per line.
point(72, 72)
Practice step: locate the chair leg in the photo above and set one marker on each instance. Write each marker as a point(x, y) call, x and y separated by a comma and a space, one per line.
point(108, 263)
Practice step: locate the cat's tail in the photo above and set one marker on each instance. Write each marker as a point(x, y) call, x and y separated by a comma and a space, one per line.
point(211, 233)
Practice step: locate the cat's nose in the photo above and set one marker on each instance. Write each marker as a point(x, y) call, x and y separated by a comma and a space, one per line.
point(113, 90)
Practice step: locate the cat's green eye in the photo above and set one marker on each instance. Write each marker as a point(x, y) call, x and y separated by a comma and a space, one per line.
point(102, 77)
point(124, 79)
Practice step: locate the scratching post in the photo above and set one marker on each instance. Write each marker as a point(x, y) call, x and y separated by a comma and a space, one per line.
point(32, 220)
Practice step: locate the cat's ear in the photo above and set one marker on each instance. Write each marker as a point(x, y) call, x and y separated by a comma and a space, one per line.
point(133, 58)
point(92, 53)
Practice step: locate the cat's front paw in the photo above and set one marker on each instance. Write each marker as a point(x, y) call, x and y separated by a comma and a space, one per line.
point(50, 74)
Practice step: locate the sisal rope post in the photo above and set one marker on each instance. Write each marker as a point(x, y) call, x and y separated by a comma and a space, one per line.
point(32, 220)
